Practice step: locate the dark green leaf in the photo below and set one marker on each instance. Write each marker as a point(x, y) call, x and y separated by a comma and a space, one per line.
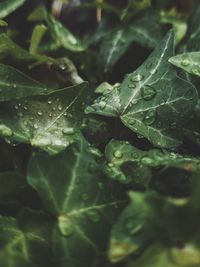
point(152, 101)
point(47, 122)
point(62, 36)
point(25, 244)
point(83, 202)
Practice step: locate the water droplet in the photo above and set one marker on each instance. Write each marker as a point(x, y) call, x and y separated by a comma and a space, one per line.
point(65, 226)
point(132, 121)
point(146, 160)
point(84, 196)
point(20, 114)
point(93, 216)
point(50, 114)
point(185, 62)
point(25, 108)
point(14, 85)
point(35, 126)
point(132, 85)
point(16, 107)
point(110, 164)
point(148, 92)
point(153, 71)
point(118, 154)
point(5, 131)
point(150, 117)
point(137, 78)
point(68, 130)
point(39, 113)
point(60, 107)
point(196, 71)
point(49, 102)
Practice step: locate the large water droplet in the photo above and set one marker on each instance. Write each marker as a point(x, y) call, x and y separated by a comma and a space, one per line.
point(196, 71)
point(118, 154)
point(65, 225)
point(39, 113)
point(185, 62)
point(68, 130)
point(93, 216)
point(5, 131)
point(137, 78)
point(35, 125)
point(148, 92)
point(150, 117)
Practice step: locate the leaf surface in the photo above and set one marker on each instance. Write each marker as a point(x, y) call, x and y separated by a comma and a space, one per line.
point(81, 199)
point(8, 6)
point(50, 122)
point(152, 101)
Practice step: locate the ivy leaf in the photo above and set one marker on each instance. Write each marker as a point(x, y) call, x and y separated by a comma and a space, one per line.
point(47, 121)
point(8, 6)
point(131, 232)
point(26, 242)
point(62, 36)
point(128, 164)
point(152, 101)
point(83, 202)
point(189, 62)
point(116, 41)
point(15, 85)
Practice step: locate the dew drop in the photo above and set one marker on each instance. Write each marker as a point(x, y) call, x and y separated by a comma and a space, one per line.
point(65, 226)
point(153, 71)
point(49, 102)
point(20, 114)
point(150, 117)
point(110, 164)
point(132, 85)
point(185, 62)
point(35, 126)
point(137, 78)
point(196, 71)
point(148, 92)
point(39, 113)
point(60, 107)
point(118, 154)
point(5, 131)
point(68, 130)
point(146, 160)
point(93, 216)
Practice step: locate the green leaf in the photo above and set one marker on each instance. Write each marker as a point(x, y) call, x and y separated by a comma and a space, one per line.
point(26, 242)
point(189, 62)
point(8, 6)
point(47, 122)
point(131, 232)
point(152, 101)
point(82, 200)
point(15, 85)
point(116, 41)
point(37, 35)
point(62, 36)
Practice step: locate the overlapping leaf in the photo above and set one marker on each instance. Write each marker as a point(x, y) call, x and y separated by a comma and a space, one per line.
point(25, 242)
point(189, 62)
point(84, 203)
point(116, 41)
point(152, 101)
point(8, 6)
point(50, 122)
point(128, 164)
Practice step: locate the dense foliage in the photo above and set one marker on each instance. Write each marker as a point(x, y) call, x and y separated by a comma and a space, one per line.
point(100, 133)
